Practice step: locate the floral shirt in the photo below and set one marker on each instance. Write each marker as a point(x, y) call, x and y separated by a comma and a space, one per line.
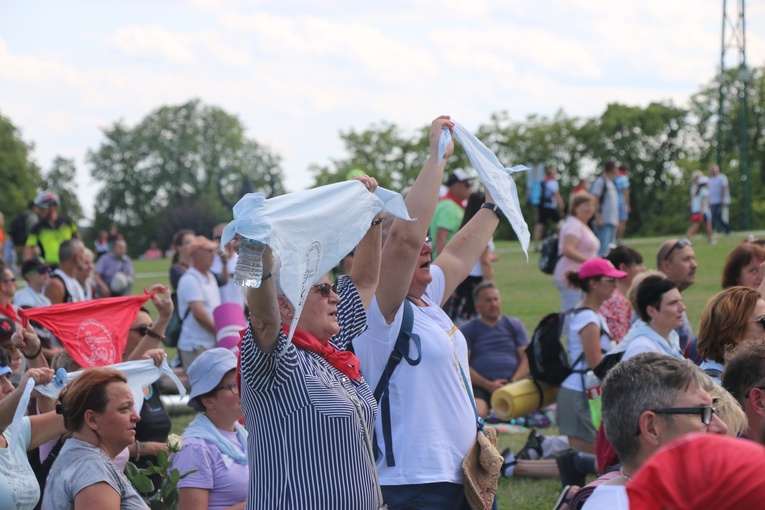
point(618, 314)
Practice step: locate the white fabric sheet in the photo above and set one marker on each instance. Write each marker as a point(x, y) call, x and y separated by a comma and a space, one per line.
point(139, 374)
point(310, 231)
point(494, 176)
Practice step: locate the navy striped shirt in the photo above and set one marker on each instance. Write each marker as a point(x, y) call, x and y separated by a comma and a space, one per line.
point(306, 445)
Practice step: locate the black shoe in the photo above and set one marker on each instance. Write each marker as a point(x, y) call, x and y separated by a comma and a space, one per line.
point(569, 475)
point(534, 442)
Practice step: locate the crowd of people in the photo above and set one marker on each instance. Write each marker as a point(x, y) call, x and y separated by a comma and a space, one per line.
point(370, 391)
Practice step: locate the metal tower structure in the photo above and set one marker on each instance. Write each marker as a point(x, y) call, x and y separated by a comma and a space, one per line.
point(734, 79)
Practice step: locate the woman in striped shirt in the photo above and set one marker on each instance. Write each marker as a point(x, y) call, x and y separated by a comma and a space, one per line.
point(309, 412)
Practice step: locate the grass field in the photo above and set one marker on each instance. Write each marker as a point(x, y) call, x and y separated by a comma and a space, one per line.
point(529, 294)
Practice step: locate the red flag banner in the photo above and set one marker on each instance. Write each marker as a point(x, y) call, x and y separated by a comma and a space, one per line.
point(94, 333)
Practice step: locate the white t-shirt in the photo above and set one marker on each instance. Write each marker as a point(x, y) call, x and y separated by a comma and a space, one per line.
point(577, 322)
point(27, 297)
point(698, 204)
point(229, 293)
point(19, 489)
point(432, 420)
point(194, 286)
point(608, 497)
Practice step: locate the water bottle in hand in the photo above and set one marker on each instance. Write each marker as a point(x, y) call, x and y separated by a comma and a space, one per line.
point(249, 265)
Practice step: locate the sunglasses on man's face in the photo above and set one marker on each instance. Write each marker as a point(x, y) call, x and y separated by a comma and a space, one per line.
point(142, 329)
point(40, 270)
point(326, 289)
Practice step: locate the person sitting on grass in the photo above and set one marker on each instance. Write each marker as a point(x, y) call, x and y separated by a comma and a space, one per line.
point(496, 347)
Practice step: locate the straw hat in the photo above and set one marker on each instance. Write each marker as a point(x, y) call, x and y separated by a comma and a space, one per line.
point(481, 470)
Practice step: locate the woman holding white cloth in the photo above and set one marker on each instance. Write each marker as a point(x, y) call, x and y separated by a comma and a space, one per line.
point(308, 409)
point(415, 471)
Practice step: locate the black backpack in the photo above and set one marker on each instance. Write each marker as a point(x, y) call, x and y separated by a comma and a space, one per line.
point(548, 360)
point(18, 229)
point(548, 256)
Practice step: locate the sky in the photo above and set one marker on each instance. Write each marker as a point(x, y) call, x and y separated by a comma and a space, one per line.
point(298, 72)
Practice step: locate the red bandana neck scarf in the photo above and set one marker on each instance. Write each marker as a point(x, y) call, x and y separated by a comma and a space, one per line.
point(10, 312)
point(345, 361)
point(454, 199)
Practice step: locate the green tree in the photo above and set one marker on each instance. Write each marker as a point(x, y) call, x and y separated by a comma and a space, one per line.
point(61, 180)
point(705, 109)
point(177, 155)
point(651, 140)
point(19, 174)
point(384, 152)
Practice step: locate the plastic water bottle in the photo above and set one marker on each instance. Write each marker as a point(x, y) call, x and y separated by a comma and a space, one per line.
point(592, 383)
point(249, 265)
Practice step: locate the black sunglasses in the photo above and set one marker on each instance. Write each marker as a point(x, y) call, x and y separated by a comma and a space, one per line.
point(326, 289)
point(142, 329)
point(705, 412)
point(682, 243)
point(40, 270)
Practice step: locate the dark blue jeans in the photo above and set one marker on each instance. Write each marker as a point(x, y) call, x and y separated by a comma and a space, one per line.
point(425, 496)
point(717, 218)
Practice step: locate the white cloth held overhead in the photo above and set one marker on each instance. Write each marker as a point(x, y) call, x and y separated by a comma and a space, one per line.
point(494, 176)
point(310, 231)
point(139, 374)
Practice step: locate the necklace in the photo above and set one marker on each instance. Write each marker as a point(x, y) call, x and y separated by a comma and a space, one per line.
point(621, 472)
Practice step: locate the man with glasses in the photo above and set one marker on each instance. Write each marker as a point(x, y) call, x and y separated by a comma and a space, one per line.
point(648, 401)
point(677, 260)
point(36, 272)
point(744, 378)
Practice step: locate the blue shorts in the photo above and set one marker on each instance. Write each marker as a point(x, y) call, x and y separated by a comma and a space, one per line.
point(623, 216)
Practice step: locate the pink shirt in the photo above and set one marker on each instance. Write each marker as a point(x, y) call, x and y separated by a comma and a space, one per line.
point(588, 246)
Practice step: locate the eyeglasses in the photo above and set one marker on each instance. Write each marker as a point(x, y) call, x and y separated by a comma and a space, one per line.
point(761, 321)
point(705, 412)
point(326, 289)
point(216, 238)
point(11, 280)
point(682, 243)
point(746, 395)
point(429, 241)
point(10, 348)
point(608, 280)
point(142, 329)
point(231, 386)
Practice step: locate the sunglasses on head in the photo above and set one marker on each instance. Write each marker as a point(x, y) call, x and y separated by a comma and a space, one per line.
point(142, 329)
point(326, 289)
point(682, 243)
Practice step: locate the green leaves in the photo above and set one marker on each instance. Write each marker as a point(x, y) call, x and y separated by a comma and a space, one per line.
point(166, 497)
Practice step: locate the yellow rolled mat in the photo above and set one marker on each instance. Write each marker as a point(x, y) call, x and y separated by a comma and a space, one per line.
point(521, 398)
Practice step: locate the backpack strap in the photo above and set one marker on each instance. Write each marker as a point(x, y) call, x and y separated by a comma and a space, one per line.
point(381, 393)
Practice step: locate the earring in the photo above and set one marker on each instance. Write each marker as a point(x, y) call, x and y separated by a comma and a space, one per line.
point(289, 315)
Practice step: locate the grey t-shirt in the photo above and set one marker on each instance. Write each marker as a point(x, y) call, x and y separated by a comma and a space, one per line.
point(80, 465)
point(609, 206)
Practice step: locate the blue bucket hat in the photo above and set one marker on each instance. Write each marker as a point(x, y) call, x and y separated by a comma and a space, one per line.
point(207, 371)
